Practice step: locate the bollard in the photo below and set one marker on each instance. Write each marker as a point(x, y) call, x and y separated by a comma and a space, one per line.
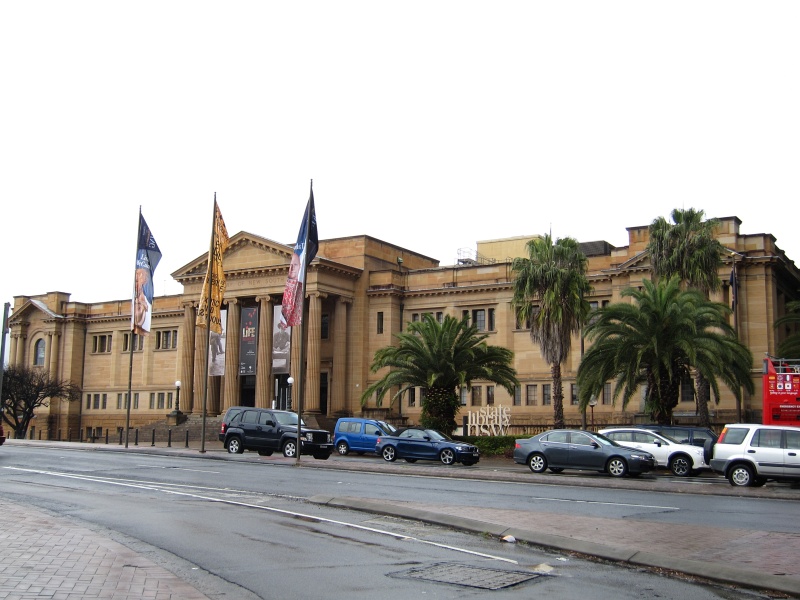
point(136, 443)
point(120, 436)
point(169, 437)
point(153, 442)
point(106, 436)
point(80, 435)
point(187, 438)
point(69, 435)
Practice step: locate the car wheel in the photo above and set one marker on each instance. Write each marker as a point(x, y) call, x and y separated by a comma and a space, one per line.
point(680, 465)
point(617, 467)
point(322, 455)
point(537, 463)
point(741, 476)
point(265, 452)
point(411, 460)
point(342, 448)
point(389, 454)
point(235, 446)
point(290, 449)
point(556, 470)
point(447, 456)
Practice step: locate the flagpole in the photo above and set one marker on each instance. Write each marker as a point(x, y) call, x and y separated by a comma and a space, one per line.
point(209, 275)
point(133, 324)
point(303, 328)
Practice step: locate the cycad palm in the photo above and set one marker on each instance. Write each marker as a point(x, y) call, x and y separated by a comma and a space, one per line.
point(440, 358)
point(687, 248)
point(550, 289)
point(656, 341)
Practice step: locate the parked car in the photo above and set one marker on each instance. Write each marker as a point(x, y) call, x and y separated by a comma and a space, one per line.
point(416, 443)
point(750, 455)
point(226, 420)
point(561, 449)
point(681, 459)
point(696, 436)
point(359, 435)
point(269, 431)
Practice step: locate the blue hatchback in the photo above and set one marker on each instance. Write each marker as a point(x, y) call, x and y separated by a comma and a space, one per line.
point(415, 443)
point(353, 434)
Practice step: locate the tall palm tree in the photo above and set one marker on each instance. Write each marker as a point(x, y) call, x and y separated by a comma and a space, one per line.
point(550, 289)
point(688, 249)
point(656, 341)
point(440, 358)
point(790, 347)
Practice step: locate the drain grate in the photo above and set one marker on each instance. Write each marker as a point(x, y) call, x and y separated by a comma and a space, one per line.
point(476, 577)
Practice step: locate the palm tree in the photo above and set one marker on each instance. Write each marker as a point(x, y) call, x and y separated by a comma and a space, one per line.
point(687, 248)
point(550, 289)
point(440, 358)
point(656, 341)
point(790, 347)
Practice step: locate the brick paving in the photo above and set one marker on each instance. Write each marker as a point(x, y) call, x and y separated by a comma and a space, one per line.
point(42, 556)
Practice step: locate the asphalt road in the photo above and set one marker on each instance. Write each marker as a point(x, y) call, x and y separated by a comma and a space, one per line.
point(242, 524)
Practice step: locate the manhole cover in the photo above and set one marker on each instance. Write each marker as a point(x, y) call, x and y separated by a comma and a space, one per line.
point(476, 577)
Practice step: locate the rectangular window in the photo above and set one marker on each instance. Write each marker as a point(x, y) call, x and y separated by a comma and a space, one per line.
point(546, 397)
point(489, 395)
point(152, 401)
point(574, 394)
point(105, 401)
point(422, 395)
point(479, 319)
point(530, 395)
point(440, 317)
point(465, 314)
point(119, 401)
point(135, 400)
point(463, 394)
point(607, 393)
point(167, 339)
point(687, 390)
point(477, 395)
point(96, 404)
point(325, 326)
point(88, 401)
point(593, 305)
point(138, 342)
point(517, 396)
point(380, 322)
point(490, 324)
point(415, 317)
point(161, 401)
point(169, 400)
point(101, 343)
point(412, 397)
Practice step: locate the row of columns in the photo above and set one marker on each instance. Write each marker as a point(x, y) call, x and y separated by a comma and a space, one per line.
point(194, 349)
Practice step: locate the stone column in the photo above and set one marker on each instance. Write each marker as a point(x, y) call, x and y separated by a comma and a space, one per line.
point(52, 361)
point(12, 351)
point(21, 350)
point(233, 333)
point(311, 400)
point(186, 358)
point(264, 386)
point(338, 399)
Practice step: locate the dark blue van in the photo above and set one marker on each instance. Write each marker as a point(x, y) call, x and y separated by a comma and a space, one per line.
point(353, 434)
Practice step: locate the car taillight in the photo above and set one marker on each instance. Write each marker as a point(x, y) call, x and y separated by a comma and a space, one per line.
point(516, 445)
point(223, 428)
point(378, 441)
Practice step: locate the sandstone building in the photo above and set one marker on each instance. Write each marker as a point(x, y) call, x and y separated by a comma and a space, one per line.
point(360, 292)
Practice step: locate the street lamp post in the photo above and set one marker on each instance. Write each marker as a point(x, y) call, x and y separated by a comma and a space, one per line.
point(289, 382)
point(176, 416)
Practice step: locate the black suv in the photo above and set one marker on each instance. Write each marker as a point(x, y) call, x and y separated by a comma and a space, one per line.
point(696, 436)
point(269, 431)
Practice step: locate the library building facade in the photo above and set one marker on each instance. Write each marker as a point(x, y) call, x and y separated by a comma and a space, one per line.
point(360, 292)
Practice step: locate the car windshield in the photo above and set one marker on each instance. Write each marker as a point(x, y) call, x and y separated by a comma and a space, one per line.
point(436, 435)
point(604, 440)
point(287, 418)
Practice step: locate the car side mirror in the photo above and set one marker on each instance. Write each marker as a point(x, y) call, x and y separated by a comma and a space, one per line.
point(426, 437)
point(270, 423)
point(595, 445)
point(658, 443)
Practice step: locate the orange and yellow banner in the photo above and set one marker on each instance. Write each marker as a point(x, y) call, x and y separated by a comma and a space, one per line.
point(214, 284)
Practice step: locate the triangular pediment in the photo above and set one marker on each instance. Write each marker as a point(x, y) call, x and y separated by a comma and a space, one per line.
point(28, 309)
point(246, 251)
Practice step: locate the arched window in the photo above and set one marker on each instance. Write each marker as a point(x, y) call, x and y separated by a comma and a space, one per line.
point(38, 353)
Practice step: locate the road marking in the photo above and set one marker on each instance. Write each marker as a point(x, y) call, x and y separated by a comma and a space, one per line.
point(157, 488)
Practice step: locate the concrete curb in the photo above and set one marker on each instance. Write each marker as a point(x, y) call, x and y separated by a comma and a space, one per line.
point(706, 570)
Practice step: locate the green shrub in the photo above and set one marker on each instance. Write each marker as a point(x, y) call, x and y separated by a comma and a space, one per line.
point(499, 445)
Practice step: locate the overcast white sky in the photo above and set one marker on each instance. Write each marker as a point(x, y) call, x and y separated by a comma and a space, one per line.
point(427, 124)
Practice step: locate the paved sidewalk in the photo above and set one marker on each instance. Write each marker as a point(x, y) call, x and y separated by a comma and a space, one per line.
point(42, 556)
point(46, 557)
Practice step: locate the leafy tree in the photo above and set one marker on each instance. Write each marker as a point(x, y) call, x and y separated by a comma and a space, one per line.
point(440, 358)
point(25, 390)
point(656, 341)
point(790, 347)
point(550, 289)
point(688, 249)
